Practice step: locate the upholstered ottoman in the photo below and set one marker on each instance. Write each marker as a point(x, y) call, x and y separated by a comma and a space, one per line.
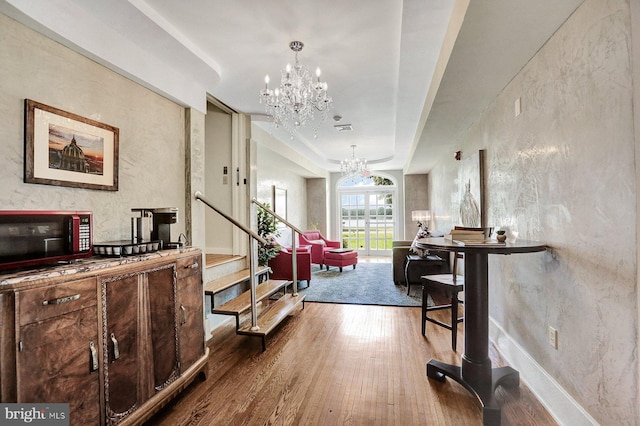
point(341, 258)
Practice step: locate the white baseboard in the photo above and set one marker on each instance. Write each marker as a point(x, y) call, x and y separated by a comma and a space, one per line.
point(214, 321)
point(564, 409)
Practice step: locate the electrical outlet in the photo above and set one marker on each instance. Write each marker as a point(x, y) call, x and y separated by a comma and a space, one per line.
point(552, 335)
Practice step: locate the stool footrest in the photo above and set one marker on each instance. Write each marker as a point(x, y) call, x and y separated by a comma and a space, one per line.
point(438, 307)
point(444, 324)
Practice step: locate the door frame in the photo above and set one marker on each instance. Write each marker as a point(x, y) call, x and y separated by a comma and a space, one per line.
point(366, 191)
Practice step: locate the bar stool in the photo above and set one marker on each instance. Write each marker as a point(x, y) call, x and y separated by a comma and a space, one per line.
point(451, 284)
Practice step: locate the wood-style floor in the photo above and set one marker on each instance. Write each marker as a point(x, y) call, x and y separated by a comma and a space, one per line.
point(335, 364)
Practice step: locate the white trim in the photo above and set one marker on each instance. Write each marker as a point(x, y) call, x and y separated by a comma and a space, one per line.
point(562, 407)
point(373, 173)
point(366, 190)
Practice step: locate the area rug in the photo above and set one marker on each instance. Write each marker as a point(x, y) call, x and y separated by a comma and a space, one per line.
point(368, 284)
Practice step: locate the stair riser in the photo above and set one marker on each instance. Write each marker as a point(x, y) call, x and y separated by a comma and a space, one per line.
point(221, 270)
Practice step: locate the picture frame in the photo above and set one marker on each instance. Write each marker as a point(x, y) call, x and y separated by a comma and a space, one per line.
point(65, 149)
point(472, 190)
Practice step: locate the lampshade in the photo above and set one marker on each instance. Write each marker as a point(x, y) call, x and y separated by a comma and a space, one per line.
point(420, 215)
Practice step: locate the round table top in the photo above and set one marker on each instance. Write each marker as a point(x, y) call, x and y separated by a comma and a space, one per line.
point(519, 246)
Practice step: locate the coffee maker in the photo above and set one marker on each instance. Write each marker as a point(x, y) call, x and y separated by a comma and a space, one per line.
point(141, 225)
point(154, 224)
point(163, 218)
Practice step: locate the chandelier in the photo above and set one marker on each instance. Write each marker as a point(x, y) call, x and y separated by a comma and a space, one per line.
point(354, 167)
point(298, 98)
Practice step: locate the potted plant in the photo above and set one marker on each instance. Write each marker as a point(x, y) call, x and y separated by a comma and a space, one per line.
point(501, 235)
point(267, 229)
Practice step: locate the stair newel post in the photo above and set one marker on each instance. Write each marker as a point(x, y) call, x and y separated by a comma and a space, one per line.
point(253, 256)
point(294, 262)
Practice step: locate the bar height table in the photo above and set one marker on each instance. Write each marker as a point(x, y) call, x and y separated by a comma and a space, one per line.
point(476, 373)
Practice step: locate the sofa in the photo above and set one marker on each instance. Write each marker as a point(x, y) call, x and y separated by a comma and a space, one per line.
point(319, 245)
point(281, 265)
point(438, 262)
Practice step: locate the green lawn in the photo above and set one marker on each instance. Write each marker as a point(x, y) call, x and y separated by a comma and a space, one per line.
point(380, 239)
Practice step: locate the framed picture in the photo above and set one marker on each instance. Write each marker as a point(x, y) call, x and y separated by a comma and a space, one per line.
point(279, 201)
point(471, 190)
point(64, 149)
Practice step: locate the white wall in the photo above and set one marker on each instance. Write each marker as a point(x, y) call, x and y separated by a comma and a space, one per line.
point(152, 132)
point(275, 170)
point(563, 173)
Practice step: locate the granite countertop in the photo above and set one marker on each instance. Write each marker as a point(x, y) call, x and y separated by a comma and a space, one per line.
point(94, 263)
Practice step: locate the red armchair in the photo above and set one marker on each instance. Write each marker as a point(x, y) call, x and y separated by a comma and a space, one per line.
point(281, 264)
point(319, 245)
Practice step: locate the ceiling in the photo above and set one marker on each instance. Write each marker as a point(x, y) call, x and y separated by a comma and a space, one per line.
point(409, 76)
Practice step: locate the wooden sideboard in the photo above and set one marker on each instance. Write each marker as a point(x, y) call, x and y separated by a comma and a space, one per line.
point(115, 338)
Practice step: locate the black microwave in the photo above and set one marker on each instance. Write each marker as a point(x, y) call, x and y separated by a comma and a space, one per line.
point(36, 237)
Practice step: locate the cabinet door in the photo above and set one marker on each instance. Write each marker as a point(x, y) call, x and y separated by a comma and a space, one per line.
point(120, 344)
point(58, 350)
point(58, 362)
point(191, 315)
point(164, 340)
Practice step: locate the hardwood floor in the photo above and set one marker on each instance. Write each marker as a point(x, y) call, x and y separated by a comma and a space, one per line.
point(339, 365)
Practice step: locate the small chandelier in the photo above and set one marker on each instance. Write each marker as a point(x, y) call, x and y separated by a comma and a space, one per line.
point(295, 102)
point(354, 167)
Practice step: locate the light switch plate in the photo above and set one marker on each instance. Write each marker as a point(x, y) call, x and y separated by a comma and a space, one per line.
point(553, 337)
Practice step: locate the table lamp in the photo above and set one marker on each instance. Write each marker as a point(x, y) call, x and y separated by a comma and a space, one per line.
point(422, 217)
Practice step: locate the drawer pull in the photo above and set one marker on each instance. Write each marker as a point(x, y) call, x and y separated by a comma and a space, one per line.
point(94, 356)
point(61, 300)
point(192, 266)
point(116, 351)
point(183, 321)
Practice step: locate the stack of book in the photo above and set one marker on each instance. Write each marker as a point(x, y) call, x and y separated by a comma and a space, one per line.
point(466, 235)
point(469, 236)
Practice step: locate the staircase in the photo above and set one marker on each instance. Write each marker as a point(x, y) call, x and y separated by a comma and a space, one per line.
point(273, 310)
point(258, 310)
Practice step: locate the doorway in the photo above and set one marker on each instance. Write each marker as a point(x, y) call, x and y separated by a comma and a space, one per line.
point(367, 219)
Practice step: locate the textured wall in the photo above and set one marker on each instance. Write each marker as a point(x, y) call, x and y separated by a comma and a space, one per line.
point(152, 132)
point(317, 204)
point(563, 173)
point(416, 198)
point(194, 176)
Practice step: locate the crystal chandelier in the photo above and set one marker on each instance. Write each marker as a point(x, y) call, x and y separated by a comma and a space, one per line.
point(295, 102)
point(353, 167)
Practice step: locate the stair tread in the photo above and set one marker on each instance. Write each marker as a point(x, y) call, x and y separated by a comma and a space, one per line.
point(224, 282)
point(212, 260)
point(273, 315)
point(243, 302)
